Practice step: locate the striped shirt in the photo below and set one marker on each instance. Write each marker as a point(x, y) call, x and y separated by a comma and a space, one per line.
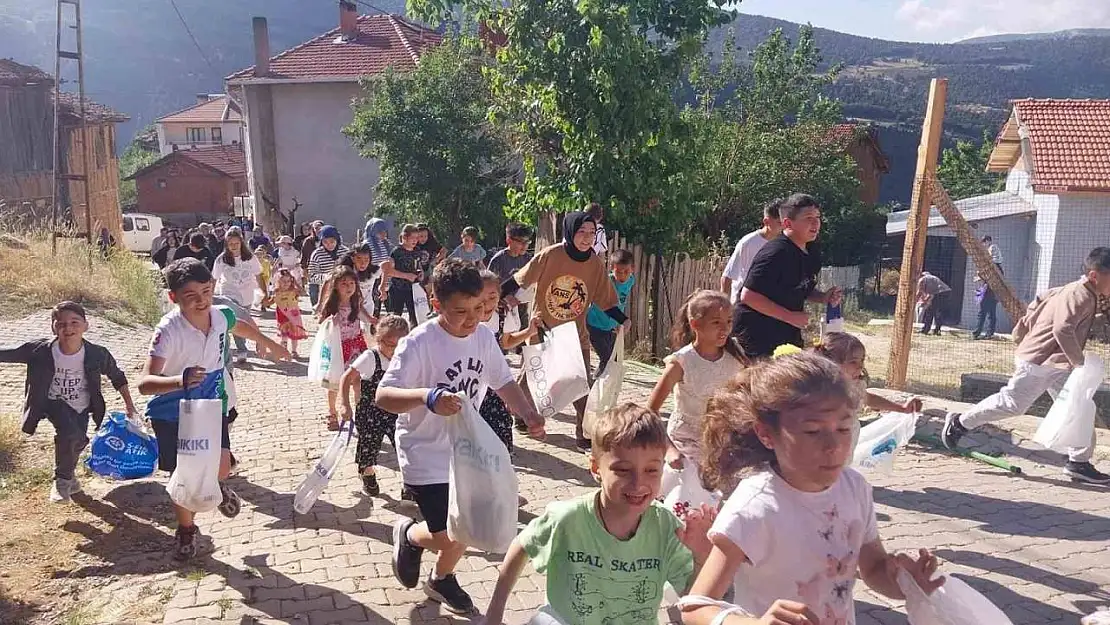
point(322, 263)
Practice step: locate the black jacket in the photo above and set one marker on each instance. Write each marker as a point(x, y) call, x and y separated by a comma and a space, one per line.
point(39, 358)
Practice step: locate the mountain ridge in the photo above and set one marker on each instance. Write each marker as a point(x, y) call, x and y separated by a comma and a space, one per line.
point(1058, 34)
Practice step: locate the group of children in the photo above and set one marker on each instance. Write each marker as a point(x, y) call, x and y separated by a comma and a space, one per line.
point(773, 434)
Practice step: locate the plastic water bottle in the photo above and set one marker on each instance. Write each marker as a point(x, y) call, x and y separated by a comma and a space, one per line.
point(310, 489)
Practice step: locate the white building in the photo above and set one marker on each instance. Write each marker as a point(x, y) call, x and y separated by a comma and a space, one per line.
point(296, 105)
point(1054, 210)
point(213, 120)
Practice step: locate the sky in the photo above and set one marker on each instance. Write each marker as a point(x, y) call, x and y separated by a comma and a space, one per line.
point(936, 20)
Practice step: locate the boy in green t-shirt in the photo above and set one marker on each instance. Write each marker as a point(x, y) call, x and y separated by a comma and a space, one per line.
point(607, 554)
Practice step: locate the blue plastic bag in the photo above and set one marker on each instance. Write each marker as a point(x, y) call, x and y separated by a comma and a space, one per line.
point(121, 450)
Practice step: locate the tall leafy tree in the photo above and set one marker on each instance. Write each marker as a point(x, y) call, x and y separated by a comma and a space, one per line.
point(441, 159)
point(963, 169)
point(137, 156)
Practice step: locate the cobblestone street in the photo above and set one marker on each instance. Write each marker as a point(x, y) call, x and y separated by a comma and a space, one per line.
point(1037, 546)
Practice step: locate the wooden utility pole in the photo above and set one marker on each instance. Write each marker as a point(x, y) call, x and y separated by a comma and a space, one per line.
point(60, 160)
point(917, 225)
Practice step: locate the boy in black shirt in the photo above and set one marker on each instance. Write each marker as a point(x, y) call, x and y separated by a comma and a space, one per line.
point(783, 277)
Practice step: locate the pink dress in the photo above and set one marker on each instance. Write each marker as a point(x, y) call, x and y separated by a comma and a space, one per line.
point(350, 334)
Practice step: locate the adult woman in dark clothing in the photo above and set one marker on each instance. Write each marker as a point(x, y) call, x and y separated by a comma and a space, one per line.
point(164, 255)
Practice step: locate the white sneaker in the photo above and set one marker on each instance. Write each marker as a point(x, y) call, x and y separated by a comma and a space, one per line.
point(59, 491)
point(73, 487)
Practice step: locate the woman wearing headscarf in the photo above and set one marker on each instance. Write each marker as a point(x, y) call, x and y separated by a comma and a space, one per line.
point(377, 236)
point(323, 261)
point(568, 277)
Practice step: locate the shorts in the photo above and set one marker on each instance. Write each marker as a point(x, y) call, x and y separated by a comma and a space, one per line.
point(166, 434)
point(432, 501)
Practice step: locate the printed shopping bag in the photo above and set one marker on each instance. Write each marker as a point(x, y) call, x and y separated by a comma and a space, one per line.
point(607, 387)
point(687, 492)
point(122, 450)
point(555, 370)
point(881, 439)
point(1071, 419)
point(195, 484)
point(317, 479)
point(422, 306)
point(325, 362)
point(482, 505)
point(954, 603)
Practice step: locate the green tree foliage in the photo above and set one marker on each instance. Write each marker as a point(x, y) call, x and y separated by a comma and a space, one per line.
point(588, 88)
point(963, 170)
point(773, 136)
point(441, 160)
point(135, 157)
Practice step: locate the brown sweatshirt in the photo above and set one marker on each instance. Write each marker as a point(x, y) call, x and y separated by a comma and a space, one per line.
point(1056, 325)
point(565, 288)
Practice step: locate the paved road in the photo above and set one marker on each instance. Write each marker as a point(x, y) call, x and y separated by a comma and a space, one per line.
point(1040, 549)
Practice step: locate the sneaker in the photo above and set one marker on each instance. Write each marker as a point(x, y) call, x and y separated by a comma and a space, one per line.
point(233, 465)
point(448, 592)
point(186, 543)
point(406, 556)
point(953, 430)
point(1085, 472)
point(231, 503)
point(73, 487)
point(584, 444)
point(59, 491)
point(370, 485)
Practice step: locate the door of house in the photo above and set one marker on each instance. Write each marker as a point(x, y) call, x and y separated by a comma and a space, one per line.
point(946, 259)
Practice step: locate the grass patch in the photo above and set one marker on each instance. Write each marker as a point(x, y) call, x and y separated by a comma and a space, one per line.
point(15, 475)
point(120, 287)
point(195, 575)
point(10, 439)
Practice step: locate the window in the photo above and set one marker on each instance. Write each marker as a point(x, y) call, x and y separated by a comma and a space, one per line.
point(142, 224)
point(217, 135)
point(194, 135)
point(127, 225)
point(161, 183)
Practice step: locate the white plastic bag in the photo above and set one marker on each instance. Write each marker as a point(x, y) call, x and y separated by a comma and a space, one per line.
point(1071, 419)
point(195, 483)
point(325, 362)
point(555, 370)
point(687, 489)
point(482, 505)
point(546, 616)
point(420, 300)
point(881, 439)
point(1102, 617)
point(512, 320)
point(954, 603)
point(317, 479)
point(607, 387)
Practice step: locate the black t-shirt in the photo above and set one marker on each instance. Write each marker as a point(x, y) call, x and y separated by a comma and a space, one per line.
point(405, 261)
point(203, 255)
point(786, 275)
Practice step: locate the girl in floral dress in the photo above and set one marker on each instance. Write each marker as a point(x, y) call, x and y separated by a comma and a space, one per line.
point(344, 305)
point(288, 309)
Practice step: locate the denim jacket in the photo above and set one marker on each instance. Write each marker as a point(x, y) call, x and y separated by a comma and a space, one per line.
point(39, 358)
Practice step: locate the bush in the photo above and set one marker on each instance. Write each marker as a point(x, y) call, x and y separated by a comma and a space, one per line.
point(120, 287)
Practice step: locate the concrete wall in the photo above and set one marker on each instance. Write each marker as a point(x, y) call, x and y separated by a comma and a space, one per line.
point(315, 160)
point(1083, 223)
point(170, 134)
point(188, 191)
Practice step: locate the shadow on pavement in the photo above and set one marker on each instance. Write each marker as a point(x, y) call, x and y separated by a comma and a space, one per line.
point(533, 462)
point(1000, 516)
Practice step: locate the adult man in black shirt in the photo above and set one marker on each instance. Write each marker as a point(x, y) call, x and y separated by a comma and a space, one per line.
point(782, 278)
point(196, 248)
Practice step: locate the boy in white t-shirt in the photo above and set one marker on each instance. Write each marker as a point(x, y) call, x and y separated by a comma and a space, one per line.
point(189, 354)
point(450, 355)
point(732, 280)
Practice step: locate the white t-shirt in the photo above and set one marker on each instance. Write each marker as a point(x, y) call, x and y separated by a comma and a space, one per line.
point(69, 383)
point(801, 546)
point(366, 365)
point(181, 345)
point(741, 261)
point(429, 357)
point(700, 379)
point(601, 243)
point(239, 281)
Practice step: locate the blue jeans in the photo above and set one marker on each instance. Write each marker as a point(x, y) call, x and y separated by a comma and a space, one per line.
point(314, 294)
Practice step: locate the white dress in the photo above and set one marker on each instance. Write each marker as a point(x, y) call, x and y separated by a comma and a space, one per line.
point(700, 379)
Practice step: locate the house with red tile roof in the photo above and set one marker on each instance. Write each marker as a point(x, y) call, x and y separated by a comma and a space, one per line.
point(192, 185)
point(1055, 208)
point(861, 142)
point(214, 119)
point(295, 106)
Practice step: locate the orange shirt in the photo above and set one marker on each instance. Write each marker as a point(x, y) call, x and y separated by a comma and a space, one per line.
point(565, 288)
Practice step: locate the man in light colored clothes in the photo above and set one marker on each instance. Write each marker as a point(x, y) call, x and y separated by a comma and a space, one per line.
point(732, 280)
point(601, 241)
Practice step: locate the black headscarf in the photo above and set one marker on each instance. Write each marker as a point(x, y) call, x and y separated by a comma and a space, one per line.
point(571, 223)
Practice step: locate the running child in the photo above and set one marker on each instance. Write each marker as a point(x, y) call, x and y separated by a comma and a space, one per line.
point(63, 387)
point(263, 256)
point(360, 258)
point(287, 308)
point(238, 273)
point(188, 354)
point(443, 362)
point(406, 270)
point(344, 306)
point(289, 258)
point(705, 360)
point(469, 250)
point(515, 256)
point(799, 527)
point(602, 328)
point(371, 422)
point(606, 554)
point(1050, 341)
point(322, 262)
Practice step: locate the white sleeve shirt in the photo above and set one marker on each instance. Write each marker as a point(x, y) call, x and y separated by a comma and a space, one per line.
point(741, 261)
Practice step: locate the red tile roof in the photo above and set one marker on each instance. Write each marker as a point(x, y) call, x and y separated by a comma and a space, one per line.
point(228, 160)
point(1070, 143)
point(383, 41)
point(215, 111)
point(846, 134)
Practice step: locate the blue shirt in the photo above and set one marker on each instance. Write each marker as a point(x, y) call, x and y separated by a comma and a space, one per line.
point(597, 317)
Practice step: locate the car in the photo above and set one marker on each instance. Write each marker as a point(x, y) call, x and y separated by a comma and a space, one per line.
point(139, 230)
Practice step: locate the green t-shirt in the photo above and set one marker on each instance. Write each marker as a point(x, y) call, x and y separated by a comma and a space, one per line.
point(594, 578)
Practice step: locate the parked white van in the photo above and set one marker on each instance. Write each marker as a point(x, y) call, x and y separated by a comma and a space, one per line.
point(139, 230)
